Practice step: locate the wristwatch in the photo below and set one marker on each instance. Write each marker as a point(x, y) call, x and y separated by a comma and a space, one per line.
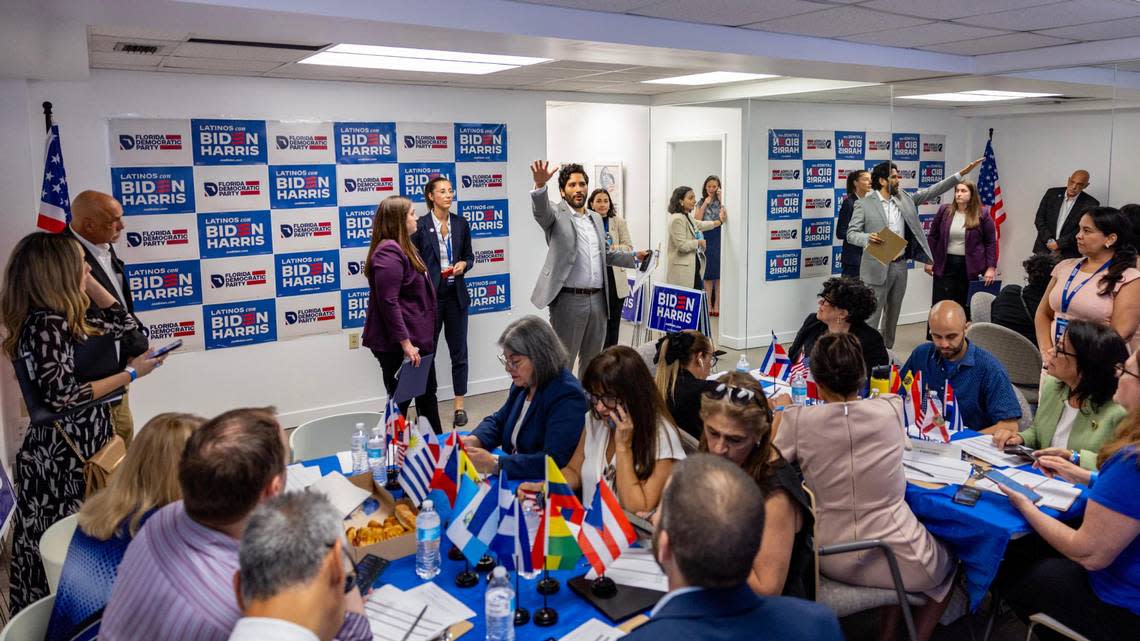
point(1075, 459)
point(498, 465)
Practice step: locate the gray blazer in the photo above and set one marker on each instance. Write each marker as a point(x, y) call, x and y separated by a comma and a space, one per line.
point(870, 216)
point(562, 241)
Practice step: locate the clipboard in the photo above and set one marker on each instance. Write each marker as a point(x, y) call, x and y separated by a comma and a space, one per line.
point(411, 381)
point(891, 247)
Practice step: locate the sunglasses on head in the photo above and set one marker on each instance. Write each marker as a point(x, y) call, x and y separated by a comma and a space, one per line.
point(736, 395)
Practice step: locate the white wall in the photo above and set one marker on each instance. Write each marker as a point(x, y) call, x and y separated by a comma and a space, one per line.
point(311, 376)
point(693, 162)
point(781, 306)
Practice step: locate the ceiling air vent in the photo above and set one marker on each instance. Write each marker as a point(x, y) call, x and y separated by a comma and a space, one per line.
point(132, 47)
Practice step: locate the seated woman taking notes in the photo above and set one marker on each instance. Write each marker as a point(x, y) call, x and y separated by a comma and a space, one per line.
point(544, 411)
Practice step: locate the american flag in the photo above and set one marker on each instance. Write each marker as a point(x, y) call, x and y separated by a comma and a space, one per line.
point(989, 188)
point(55, 204)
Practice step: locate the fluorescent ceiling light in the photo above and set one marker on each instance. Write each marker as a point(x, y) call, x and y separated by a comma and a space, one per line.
point(1011, 95)
point(418, 60)
point(710, 78)
point(980, 95)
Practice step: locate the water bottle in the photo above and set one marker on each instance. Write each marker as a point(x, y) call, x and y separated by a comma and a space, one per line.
point(937, 402)
point(376, 461)
point(500, 607)
point(359, 454)
point(799, 388)
point(427, 541)
point(742, 364)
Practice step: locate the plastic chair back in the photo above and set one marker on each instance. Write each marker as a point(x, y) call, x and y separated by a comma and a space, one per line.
point(31, 623)
point(53, 548)
point(1021, 358)
point(328, 435)
point(980, 306)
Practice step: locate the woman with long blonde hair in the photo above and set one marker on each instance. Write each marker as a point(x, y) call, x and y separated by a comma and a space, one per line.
point(47, 311)
point(145, 481)
point(963, 240)
point(400, 322)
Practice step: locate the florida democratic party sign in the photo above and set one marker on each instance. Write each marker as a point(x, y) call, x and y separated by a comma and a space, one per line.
point(807, 181)
point(251, 231)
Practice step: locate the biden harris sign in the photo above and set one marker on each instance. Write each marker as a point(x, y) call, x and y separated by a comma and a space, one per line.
point(245, 231)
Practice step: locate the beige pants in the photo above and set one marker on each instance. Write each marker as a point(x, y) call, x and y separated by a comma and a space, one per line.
point(122, 420)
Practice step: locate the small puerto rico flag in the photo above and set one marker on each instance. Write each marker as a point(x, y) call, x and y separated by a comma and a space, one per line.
point(776, 362)
point(606, 532)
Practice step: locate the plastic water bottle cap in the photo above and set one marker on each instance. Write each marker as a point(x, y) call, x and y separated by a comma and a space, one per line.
point(499, 572)
point(427, 505)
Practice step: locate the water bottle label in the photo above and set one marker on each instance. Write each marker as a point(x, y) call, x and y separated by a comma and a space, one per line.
point(427, 534)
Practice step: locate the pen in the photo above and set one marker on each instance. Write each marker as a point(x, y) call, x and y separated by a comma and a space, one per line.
point(408, 634)
point(920, 471)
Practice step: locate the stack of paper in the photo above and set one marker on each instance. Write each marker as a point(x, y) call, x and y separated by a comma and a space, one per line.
point(1055, 493)
point(637, 568)
point(593, 630)
point(340, 492)
point(392, 612)
point(298, 477)
point(931, 468)
point(983, 447)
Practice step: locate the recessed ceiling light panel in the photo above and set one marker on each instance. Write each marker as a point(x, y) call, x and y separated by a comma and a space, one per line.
point(417, 60)
point(710, 78)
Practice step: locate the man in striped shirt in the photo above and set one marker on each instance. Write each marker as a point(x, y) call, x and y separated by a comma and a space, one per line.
point(176, 581)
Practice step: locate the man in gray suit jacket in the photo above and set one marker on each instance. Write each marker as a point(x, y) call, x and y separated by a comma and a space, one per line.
point(572, 282)
point(888, 206)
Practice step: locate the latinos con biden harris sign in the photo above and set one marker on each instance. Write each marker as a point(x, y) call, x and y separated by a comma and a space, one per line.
point(250, 231)
point(807, 181)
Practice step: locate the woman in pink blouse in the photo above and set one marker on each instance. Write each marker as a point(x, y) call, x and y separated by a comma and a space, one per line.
point(1101, 286)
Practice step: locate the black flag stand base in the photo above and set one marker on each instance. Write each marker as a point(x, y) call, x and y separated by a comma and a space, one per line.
point(455, 554)
point(486, 564)
point(545, 616)
point(466, 578)
point(603, 587)
point(393, 479)
point(522, 615)
point(548, 585)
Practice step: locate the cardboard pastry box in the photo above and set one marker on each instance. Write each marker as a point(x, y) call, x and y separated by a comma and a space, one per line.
point(393, 548)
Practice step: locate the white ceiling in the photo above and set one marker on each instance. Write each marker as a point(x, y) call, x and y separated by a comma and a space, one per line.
point(963, 27)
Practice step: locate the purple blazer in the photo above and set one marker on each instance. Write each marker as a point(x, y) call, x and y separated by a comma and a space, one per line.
point(401, 303)
point(981, 243)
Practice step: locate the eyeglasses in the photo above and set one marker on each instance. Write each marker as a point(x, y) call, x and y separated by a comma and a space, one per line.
point(825, 299)
point(736, 395)
point(713, 358)
point(608, 402)
point(511, 364)
point(1121, 370)
point(1060, 351)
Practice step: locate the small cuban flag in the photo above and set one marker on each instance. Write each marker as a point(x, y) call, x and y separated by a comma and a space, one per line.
point(950, 410)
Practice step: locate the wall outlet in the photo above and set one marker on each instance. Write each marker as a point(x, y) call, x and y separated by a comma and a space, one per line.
point(354, 340)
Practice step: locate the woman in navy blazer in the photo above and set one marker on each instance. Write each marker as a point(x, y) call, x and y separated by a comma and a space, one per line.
point(545, 409)
point(400, 321)
point(444, 242)
point(964, 243)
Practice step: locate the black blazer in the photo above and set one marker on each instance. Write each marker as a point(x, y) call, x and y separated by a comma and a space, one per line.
point(1046, 221)
point(427, 243)
point(134, 342)
point(852, 254)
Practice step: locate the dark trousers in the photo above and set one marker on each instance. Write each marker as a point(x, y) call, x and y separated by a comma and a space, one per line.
point(953, 284)
point(613, 321)
point(1060, 588)
point(453, 322)
point(427, 405)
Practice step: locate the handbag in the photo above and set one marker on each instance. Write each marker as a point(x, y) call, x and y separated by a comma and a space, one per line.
point(98, 468)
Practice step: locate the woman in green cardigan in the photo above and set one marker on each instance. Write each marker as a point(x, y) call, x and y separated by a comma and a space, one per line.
point(1076, 414)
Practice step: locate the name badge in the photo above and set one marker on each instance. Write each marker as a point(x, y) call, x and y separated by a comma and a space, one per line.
point(1061, 324)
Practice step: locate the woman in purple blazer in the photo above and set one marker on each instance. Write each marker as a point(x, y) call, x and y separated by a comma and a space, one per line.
point(400, 323)
point(964, 243)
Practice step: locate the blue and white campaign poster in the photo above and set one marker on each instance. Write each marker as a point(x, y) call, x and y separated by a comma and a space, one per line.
point(632, 310)
point(807, 179)
point(244, 231)
point(675, 309)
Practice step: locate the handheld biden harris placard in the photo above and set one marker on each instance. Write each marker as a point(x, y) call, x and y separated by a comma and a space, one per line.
point(807, 181)
point(250, 231)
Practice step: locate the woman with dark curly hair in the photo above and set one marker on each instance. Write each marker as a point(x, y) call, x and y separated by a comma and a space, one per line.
point(845, 304)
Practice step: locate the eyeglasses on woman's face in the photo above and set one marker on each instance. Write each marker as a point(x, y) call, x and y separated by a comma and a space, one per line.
point(608, 402)
point(511, 362)
point(1121, 371)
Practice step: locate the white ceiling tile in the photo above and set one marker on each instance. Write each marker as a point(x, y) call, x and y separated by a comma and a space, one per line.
point(99, 58)
point(588, 66)
point(1126, 28)
point(611, 6)
point(998, 44)
point(205, 50)
point(836, 22)
point(728, 12)
point(950, 9)
point(1061, 14)
point(220, 64)
point(926, 34)
point(1132, 65)
point(122, 32)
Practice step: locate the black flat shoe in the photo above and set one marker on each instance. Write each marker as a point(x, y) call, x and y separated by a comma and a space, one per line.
point(460, 418)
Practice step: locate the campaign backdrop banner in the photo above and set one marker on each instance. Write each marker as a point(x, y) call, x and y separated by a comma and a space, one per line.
point(807, 182)
point(246, 231)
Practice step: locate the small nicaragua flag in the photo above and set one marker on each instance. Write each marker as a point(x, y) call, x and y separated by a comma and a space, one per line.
point(476, 519)
point(512, 541)
point(776, 362)
point(606, 533)
point(55, 203)
point(952, 414)
point(418, 469)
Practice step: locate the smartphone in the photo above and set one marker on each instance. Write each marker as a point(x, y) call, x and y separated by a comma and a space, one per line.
point(167, 348)
point(643, 526)
point(967, 496)
point(1002, 479)
point(645, 262)
point(1020, 450)
point(368, 570)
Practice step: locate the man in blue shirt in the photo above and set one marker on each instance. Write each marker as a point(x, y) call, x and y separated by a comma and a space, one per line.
point(709, 598)
point(981, 386)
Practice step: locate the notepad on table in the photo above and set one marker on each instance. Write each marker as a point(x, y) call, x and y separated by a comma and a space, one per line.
point(636, 567)
point(931, 468)
point(982, 447)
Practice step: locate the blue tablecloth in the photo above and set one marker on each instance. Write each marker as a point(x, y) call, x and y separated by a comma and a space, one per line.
point(977, 535)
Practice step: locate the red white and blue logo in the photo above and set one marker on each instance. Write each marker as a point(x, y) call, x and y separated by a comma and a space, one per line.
point(235, 233)
point(370, 183)
point(489, 294)
point(486, 218)
point(295, 186)
point(356, 226)
point(314, 229)
point(216, 188)
point(777, 235)
point(490, 256)
point(850, 145)
point(238, 278)
point(302, 143)
point(783, 173)
point(150, 142)
point(783, 264)
point(481, 181)
point(245, 323)
point(183, 329)
point(161, 285)
point(228, 142)
point(354, 307)
point(425, 141)
point(154, 190)
point(480, 142)
point(310, 315)
point(785, 144)
point(816, 232)
point(785, 204)
point(931, 173)
point(904, 147)
point(159, 237)
point(415, 175)
point(307, 273)
point(360, 143)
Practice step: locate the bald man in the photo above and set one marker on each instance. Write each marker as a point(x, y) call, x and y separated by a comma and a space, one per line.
point(981, 386)
point(1059, 216)
point(97, 223)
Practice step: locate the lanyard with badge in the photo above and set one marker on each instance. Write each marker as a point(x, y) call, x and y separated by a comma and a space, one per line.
point(450, 264)
point(1067, 296)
